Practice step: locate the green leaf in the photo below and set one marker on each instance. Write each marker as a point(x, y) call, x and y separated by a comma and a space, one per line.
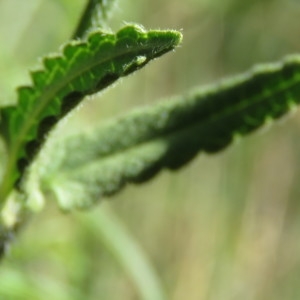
point(95, 15)
point(135, 147)
point(82, 69)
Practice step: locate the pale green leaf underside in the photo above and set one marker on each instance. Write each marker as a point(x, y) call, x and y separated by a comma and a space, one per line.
point(137, 146)
point(83, 68)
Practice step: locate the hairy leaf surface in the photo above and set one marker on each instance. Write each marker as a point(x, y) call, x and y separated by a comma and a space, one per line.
point(137, 146)
point(82, 69)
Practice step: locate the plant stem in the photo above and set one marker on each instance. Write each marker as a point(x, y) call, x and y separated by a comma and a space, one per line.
point(120, 243)
point(95, 15)
point(85, 20)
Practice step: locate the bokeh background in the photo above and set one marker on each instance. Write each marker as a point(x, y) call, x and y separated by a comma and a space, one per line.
point(226, 226)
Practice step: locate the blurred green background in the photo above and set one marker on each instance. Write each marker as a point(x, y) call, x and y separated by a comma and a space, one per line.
point(226, 226)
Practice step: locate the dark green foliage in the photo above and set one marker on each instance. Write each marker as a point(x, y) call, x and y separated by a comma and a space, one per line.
point(82, 69)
